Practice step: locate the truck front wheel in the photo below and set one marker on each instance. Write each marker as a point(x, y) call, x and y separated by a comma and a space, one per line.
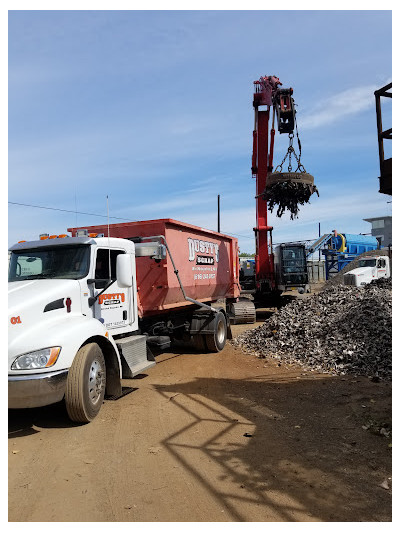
point(217, 341)
point(86, 384)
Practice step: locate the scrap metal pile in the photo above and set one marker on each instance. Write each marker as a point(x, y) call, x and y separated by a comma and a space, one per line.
point(341, 330)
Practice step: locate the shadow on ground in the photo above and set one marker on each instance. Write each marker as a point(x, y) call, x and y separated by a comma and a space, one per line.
point(301, 439)
point(21, 422)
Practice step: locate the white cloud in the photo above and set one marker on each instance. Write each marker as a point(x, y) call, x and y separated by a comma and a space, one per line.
point(338, 107)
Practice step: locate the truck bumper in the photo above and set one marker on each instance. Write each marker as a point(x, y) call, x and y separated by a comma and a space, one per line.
point(36, 390)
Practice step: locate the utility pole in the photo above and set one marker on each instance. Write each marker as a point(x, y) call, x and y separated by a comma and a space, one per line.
point(219, 215)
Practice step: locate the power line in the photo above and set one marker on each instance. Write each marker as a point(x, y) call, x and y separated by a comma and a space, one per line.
point(103, 216)
point(238, 235)
point(70, 211)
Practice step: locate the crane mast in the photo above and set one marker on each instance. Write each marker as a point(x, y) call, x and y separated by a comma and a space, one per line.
point(267, 93)
point(264, 260)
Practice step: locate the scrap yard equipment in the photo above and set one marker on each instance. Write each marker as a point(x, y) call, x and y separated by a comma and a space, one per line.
point(279, 188)
point(340, 249)
point(87, 310)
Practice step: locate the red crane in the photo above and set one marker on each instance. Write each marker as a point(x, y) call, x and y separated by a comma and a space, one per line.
point(283, 189)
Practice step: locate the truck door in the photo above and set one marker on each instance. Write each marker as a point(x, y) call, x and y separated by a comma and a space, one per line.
point(381, 268)
point(113, 307)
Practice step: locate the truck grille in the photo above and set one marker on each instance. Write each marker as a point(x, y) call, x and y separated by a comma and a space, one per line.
point(349, 279)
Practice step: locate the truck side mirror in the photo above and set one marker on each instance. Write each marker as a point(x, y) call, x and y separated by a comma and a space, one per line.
point(124, 271)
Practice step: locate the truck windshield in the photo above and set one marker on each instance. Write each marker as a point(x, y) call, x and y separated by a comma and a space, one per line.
point(367, 263)
point(293, 259)
point(60, 262)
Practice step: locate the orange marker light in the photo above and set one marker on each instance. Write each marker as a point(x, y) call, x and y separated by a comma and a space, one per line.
point(21, 241)
point(62, 236)
point(53, 237)
point(53, 356)
point(92, 235)
point(43, 237)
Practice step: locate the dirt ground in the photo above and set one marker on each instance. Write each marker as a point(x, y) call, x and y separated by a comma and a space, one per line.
point(210, 438)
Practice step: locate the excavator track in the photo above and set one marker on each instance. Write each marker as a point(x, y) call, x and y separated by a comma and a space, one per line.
point(242, 312)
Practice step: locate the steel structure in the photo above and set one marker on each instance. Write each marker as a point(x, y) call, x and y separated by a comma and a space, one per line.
point(385, 165)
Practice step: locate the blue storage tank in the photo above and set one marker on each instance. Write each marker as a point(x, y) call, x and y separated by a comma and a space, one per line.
point(349, 243)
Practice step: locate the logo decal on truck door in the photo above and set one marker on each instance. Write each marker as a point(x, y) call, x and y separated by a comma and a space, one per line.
point(112, 299)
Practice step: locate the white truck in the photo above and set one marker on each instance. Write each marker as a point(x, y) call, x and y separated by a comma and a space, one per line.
point(84, 311)
point(369, 268)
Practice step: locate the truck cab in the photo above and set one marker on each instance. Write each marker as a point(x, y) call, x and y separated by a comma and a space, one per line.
point(369, 268)
point(68, 303)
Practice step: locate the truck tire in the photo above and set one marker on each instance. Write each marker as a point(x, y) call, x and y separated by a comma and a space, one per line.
point(86, 384)
point(199, 342)
point(217, 341)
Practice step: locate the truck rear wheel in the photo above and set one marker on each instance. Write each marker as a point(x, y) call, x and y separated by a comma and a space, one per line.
point(199, 342)
point(86, 384)
point(217, 341)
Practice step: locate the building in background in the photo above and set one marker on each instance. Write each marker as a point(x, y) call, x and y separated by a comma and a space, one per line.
point(381, 228)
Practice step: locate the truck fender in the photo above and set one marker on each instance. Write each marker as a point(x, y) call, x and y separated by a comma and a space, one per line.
point(113, 364)
point(203, 321)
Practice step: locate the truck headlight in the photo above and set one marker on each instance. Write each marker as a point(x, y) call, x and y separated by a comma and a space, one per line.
point(37, 359)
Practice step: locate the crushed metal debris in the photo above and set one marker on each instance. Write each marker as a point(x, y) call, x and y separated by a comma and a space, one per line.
point(341, 330)
point(288, 195)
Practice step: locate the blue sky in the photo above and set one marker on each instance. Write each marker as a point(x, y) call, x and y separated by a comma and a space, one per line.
point(154, 109)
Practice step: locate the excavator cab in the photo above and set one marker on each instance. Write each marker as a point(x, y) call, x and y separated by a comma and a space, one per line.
point(291, 267)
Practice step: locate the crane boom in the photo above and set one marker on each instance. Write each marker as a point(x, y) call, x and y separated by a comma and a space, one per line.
point(282, 189)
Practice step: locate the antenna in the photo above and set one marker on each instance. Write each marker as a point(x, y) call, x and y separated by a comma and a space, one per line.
point(76, 212)
point(109, 248)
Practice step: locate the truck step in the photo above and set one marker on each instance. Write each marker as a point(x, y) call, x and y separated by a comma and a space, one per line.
point(124, 392)
point(242, 312)
point(135, 357)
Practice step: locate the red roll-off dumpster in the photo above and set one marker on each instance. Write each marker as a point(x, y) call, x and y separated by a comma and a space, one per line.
point(207, 262)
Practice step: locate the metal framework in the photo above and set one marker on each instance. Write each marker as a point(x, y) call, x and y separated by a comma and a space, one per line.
point(336, 261)
point(385, 178)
